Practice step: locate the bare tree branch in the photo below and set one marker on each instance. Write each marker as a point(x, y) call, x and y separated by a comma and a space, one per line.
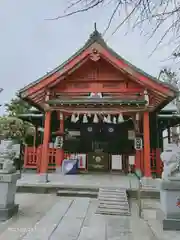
point(142, 13)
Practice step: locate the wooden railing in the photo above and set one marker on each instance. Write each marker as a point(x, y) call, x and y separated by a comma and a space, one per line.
point(32, 158)
point(156, 163)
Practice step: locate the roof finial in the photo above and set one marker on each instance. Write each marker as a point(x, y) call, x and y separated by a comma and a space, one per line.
point(95, 27)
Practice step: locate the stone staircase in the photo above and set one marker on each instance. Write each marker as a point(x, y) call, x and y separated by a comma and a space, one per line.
point(113, 202)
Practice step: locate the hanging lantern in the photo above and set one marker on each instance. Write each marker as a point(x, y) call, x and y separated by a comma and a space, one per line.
point(120, 118)
point(109, 118)
point(95, 120)
point(114, 120)
point(77, 118)
point(73, 118)
point(85, 119)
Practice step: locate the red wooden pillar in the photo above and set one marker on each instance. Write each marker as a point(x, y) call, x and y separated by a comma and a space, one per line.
point(45, 147)
point(146, 129)
point(60, 155)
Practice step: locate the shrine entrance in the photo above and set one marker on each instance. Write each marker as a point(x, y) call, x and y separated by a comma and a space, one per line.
point(101, 142)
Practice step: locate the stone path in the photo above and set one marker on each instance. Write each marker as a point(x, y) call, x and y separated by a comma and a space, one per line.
point(113, 202)
point(48, 217)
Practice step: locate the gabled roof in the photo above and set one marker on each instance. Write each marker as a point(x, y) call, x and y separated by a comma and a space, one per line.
point(96, 37)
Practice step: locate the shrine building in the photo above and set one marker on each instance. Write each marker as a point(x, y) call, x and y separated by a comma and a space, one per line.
point(103, 110)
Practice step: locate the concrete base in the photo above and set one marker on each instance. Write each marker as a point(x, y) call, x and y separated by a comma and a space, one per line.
point(6, 213)
point(169, 196)
point(7, 195)
point(171, 224)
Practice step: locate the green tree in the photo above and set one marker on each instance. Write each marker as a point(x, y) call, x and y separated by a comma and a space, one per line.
point(17, 106)
point(13, 127)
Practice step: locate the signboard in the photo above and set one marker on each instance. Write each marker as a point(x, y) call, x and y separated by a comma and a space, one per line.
point(138, 143)
point(131, 160)
point(98, 161)
point(116, 162)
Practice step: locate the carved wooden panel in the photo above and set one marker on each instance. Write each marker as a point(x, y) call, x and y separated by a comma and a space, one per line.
point(78, 85)
point(131, 84)
point(113, 85)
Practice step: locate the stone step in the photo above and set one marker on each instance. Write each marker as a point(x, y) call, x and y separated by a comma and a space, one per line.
point(113, 202)
point(112, 212)
point(73, 193)
point(112, 199)
point(113, 207)
point(112, 194)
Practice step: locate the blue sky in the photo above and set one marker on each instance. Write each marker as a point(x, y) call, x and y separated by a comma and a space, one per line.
point(30, 46)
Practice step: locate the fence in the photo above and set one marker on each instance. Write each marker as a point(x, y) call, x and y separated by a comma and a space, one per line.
point(32, 158)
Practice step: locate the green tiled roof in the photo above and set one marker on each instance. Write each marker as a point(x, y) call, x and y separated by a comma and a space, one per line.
point(97, 37)
point(95, 101)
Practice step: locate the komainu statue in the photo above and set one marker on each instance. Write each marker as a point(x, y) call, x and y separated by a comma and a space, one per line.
point(171, 161)
point(7, 154)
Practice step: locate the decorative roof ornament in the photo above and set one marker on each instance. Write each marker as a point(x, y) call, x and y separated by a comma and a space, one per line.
point(96, 36)
point(95, 56)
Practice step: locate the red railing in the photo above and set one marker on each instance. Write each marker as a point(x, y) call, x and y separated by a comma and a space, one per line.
point(156, 163)
point(32, 158)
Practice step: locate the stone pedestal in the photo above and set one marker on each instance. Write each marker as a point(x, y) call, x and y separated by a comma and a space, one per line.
point(169, 196)
point(7, 194)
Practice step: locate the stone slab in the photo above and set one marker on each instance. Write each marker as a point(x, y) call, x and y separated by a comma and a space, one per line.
point(171, 224)
point(112, 212)
point(32, 207)
point(45, 227)
point(72, 222)
point(7, 213)
point(110, 206)
point(114, 203)
point(112, 199)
